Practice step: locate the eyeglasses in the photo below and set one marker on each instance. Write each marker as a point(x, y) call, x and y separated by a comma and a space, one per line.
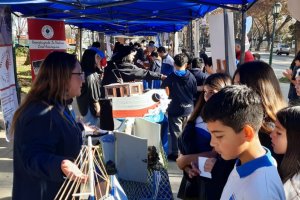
point(81, 74)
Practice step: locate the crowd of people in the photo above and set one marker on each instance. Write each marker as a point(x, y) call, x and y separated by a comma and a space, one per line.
point(242, 124)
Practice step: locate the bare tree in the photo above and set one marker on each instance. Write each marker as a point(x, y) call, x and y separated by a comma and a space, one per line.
point(263, 20)
point(20, 26)
point(297, 36)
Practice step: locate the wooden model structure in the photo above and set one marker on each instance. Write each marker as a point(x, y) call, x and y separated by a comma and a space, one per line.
point(98, 184)
point(123, 89)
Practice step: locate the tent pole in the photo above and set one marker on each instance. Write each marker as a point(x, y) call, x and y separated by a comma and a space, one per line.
point(226, 39)
point(244, 16)
point(173, 47)
point(18, 87)
point(80, 43)
point(191, 36)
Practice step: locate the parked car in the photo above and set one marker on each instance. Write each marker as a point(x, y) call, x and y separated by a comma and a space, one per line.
point(282, 49)
point(71, 47)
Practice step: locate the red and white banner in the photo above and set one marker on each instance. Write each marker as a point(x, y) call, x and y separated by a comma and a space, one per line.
point(8, 94)
point(44, 36)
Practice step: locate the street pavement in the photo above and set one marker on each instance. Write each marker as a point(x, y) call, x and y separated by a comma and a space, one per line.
point(280, 63)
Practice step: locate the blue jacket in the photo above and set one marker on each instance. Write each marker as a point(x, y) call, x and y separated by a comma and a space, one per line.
point(43, 138)
point(182, 91)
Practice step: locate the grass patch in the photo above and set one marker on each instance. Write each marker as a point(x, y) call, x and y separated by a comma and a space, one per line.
point(284, 80)
point(23, 75)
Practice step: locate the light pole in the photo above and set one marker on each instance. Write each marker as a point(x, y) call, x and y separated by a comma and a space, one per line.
point(275, 12)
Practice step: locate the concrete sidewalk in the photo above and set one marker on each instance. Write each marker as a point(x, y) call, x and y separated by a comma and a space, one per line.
point(6, 167)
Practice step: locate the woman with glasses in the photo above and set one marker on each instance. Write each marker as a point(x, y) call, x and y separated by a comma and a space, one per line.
point(47, 139)
point(89, 100)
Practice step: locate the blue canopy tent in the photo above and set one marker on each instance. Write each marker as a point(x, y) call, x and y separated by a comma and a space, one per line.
point(125, 16)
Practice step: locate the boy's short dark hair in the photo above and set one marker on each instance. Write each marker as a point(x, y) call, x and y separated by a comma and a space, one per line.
point(161, 50)
point(235, 106)
point(196, 63)
point(96, 44)
point(238, 42)
point(257, 56)
point(154, 54)
point(136, 44)
point(209, 62)
point(180, 59)
point(190, 57)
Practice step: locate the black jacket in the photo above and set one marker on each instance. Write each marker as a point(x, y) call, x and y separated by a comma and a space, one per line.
point(42, 139)
point(128, 72)
point(199, 75)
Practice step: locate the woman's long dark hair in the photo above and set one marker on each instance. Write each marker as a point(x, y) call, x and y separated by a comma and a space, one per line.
point(51, 82)
point(260, 77)
point(289, 118)
point(217, 82)
point(88, 61)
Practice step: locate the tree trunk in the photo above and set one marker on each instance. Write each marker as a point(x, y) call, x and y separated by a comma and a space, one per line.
point(237, 17)
point(102, 41)
point(185, 38)
point(77, 40)
point(260, 41)
point(268, 32)
point(297, 36)
point(287, 19)
point(269, 44)
point(27, 61)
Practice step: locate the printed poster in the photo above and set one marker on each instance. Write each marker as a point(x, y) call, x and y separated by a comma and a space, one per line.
point(44, 37)
point(8, 95)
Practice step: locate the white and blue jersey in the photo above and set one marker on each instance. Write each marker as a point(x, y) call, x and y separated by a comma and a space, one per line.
point(255, 180)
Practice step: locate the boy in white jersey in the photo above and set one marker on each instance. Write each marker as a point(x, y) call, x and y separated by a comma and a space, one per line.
point(234, 116)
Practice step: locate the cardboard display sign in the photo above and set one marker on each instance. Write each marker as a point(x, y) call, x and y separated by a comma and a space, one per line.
point(217, 41)
point(149, 131)
point(131, 157)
